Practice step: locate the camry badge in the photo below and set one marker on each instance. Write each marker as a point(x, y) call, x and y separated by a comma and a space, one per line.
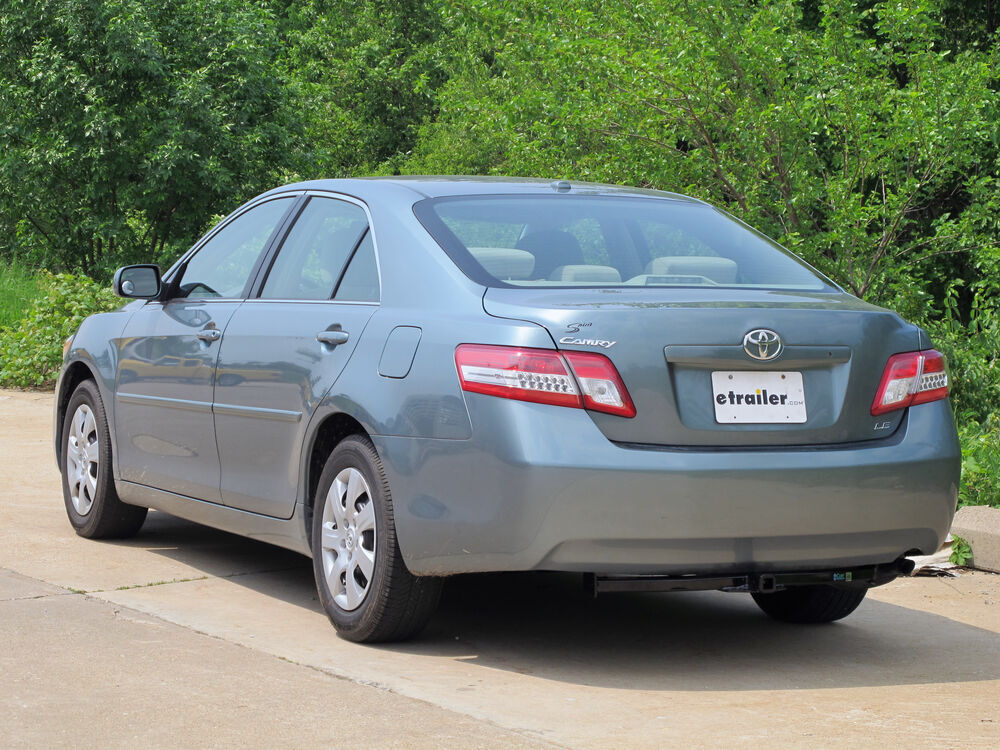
point(762, 344)
point(587, 342)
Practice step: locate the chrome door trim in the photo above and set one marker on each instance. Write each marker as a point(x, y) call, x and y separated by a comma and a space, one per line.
point(252, 300)
point(278, 415)
point(174, 403)
point(281, 415)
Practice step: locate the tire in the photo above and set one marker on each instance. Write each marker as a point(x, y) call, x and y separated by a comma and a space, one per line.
point(810, 604)
point(364, 586)
point(92, 503)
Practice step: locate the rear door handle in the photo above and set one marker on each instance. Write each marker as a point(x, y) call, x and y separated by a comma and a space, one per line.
point(209, 334)
point(332, 338)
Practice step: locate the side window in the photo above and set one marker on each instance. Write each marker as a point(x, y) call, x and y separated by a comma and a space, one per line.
point(222, 266)
point(360, 282)
point(313, 255)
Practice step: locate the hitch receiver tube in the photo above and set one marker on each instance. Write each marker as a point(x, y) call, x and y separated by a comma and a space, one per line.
point(867, 576)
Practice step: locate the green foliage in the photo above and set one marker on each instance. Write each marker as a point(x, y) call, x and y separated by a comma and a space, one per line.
point(126, 123)
point(961, 552)
point(18, 289)
point(31, 351)
point(363, 75)
point(859, 142)
point(980, 463)
point(973, 352)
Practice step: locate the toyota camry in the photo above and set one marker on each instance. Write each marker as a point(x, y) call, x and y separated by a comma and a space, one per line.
point(409, 378)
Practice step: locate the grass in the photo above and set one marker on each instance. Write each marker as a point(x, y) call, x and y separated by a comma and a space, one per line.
point(19, 287)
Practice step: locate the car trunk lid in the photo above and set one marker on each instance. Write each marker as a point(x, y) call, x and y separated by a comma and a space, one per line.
point(681, 355)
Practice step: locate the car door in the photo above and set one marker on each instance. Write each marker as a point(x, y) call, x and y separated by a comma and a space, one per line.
point(168, 354)
point(283, 350)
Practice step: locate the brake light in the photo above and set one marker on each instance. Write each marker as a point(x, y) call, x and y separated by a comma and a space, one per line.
point(582, 380)
point(909, 379)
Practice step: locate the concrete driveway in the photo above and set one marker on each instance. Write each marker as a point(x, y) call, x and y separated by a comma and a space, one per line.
point(186, 635)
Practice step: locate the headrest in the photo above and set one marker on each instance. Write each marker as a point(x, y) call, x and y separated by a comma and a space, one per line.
point(719, 270)
point(551, 248)
point(504, 262)
point(586, 274)
point(550, 241)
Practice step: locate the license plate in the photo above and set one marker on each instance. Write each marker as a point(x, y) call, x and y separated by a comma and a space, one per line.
point(758, 397)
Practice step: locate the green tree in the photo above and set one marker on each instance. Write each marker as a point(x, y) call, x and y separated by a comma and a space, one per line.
point(854, 133)
point(127, 124)
point(364, 75)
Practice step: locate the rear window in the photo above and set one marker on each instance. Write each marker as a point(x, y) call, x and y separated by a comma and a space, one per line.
point(593, 241)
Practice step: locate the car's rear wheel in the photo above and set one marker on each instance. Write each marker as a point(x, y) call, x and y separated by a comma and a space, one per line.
point(810, 604)
point(363, 583)
point(92, 502)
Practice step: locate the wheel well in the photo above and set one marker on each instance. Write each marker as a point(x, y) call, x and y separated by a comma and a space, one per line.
point(333, 429)
point(75, 374)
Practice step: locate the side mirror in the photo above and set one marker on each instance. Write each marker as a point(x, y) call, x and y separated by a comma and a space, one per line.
point(138, 282)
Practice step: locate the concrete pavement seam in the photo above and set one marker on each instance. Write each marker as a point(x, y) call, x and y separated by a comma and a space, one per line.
point(333, 674)
point(153, 584)
point(345, 678)
point(118, 607)
point(40, 596)
point(378, 686)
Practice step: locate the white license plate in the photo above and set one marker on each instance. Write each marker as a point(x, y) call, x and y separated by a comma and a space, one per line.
point(758, 397)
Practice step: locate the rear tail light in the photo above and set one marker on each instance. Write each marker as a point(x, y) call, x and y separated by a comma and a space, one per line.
point(583, 380)
point(524, 374)
point(600, 383)
point(909, 379)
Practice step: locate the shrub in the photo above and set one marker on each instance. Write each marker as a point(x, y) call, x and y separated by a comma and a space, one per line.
point(31, 351)
point(980, 463)
point(973, 351)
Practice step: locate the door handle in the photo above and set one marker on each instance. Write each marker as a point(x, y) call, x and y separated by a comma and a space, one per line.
point(209, 334)
point(332, 338)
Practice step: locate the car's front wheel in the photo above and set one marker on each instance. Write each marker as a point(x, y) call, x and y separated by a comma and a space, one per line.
point(363, 583)
point(810, 604)
point(92, 502)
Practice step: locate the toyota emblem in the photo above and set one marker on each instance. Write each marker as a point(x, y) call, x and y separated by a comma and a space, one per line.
point(762, 344)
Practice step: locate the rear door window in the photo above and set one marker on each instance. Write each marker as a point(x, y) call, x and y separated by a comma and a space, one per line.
point(313, 255)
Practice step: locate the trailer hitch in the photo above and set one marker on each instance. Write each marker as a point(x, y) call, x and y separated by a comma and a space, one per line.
point(866, 576)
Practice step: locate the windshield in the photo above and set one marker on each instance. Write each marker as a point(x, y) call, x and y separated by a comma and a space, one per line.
point(594, 241)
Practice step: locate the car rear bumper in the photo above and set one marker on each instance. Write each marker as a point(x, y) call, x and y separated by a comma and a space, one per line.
point(542, 488)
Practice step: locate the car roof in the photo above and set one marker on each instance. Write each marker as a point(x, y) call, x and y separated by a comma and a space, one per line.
point(367, 188)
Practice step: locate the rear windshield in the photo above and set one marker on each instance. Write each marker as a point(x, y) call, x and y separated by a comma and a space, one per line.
point(594, 241)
